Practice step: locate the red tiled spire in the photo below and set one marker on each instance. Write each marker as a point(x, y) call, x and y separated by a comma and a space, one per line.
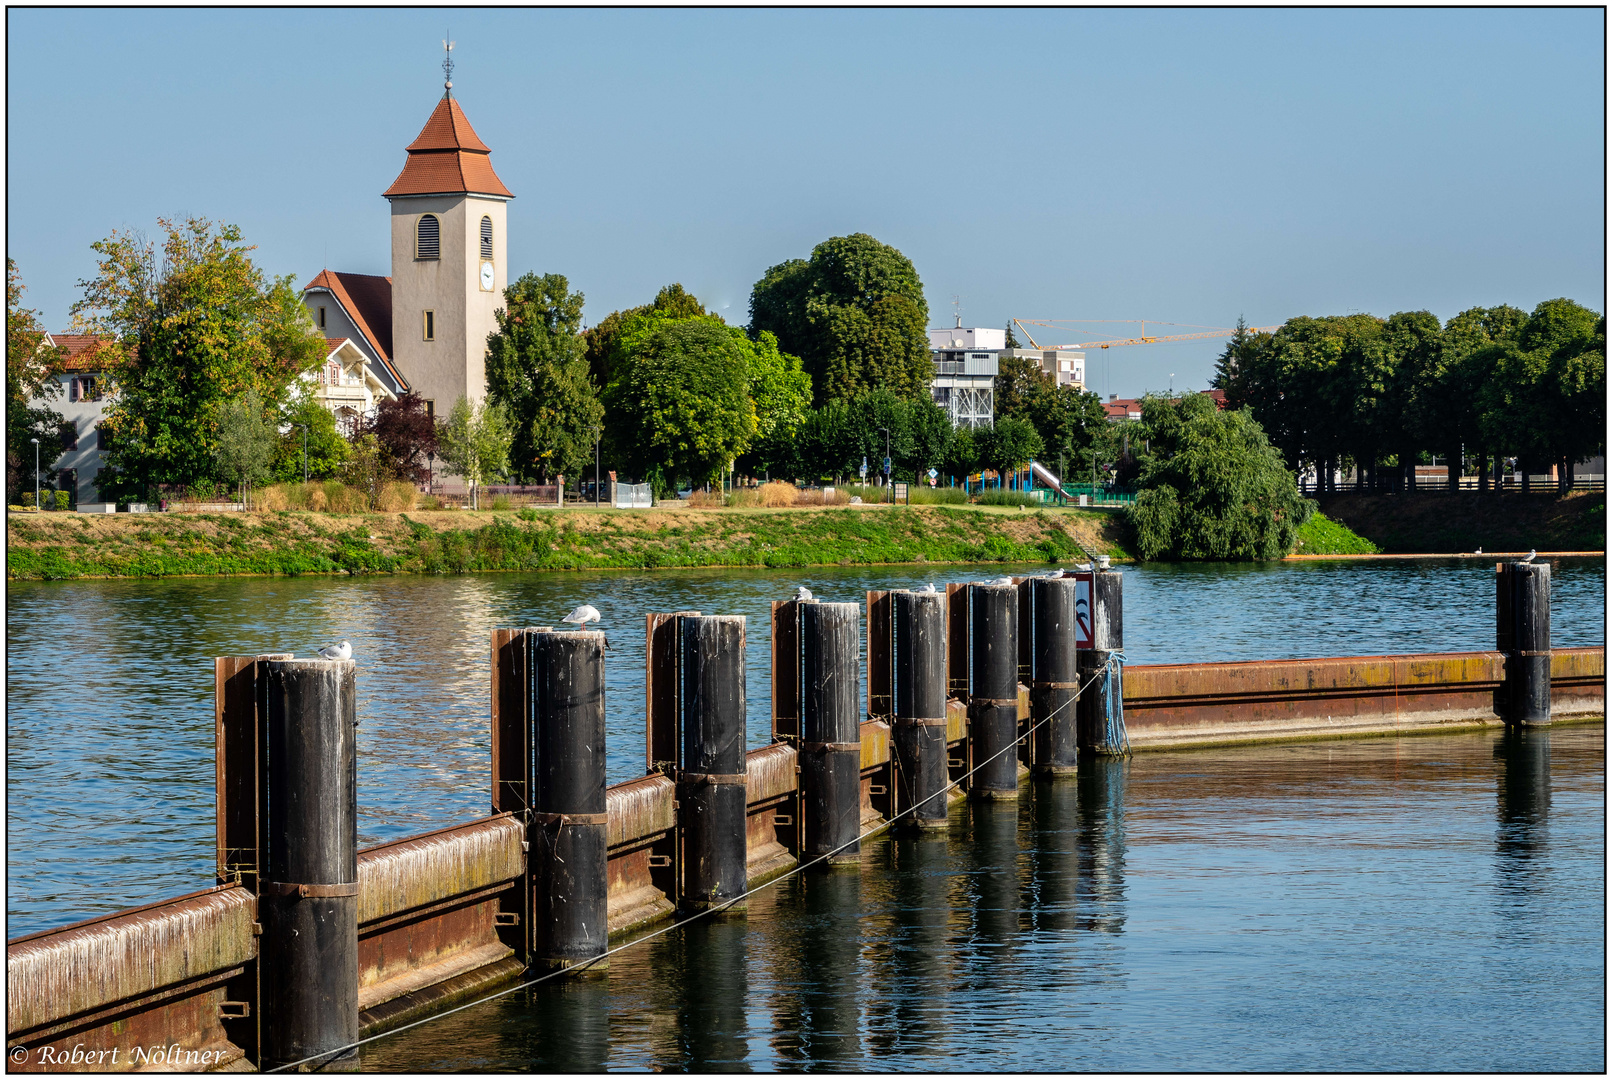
point(448, 158)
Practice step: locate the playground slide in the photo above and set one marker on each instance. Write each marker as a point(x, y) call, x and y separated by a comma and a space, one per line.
point(1044, 474)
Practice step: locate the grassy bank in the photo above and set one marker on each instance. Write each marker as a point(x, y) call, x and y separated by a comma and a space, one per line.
point(1323, 536)
point(1446, 523)
point(58, 546)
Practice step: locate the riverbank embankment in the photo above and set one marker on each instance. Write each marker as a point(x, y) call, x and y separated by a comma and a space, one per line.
point(286, 542)
point(1463, 522)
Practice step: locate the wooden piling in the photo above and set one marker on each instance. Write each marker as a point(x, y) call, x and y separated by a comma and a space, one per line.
point(993, 703)
point(918, 679)
point(1522, 633)
point(1054, 676)
point(711, 766)
point(1108, 637)
point(308, 904)
point(566, 836)
point(830, 758)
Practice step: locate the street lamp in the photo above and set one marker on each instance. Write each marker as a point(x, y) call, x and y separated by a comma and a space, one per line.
point(36, 474)
point(430, 472)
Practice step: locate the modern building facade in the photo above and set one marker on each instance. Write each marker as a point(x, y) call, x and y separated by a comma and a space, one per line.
point(965, 372)
point(81, 404)
point(1066, 366)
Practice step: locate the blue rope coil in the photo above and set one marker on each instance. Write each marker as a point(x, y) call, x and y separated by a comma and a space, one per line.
point(1115, 740)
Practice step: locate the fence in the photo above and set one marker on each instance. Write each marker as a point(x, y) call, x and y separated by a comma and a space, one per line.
point(634, 496)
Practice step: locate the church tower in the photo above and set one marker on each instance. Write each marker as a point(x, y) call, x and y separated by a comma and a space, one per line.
point(449, 258)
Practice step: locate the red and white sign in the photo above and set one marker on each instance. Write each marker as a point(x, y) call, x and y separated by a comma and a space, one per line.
point(1083, 611)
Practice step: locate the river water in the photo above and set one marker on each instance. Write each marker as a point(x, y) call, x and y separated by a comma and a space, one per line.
point(110, 762)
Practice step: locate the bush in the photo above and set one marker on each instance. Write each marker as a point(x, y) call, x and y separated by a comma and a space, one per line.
point(778, 493)
point(502, 502)
point(706, 499)
point(428, 502)
point(927, 496)
point(61, 500)
point(28, 499)
point(745, 497)
point(323, 496)
point(1005, 497)
point(397, 497)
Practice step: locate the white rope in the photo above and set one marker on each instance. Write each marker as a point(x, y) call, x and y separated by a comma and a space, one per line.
point(798, 868)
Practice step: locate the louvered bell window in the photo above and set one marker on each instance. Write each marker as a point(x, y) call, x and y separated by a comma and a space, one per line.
point(486, 237)
point(428, 238)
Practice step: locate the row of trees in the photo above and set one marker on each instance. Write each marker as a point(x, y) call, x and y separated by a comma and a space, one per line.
point(1382, 394)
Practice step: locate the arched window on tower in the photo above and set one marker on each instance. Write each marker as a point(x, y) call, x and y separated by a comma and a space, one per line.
point(428, 238)
point(486, 237)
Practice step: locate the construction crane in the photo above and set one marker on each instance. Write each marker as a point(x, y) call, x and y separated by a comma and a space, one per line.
point(1142, 339)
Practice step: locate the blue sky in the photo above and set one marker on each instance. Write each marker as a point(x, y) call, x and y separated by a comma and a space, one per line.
point(1182, 165)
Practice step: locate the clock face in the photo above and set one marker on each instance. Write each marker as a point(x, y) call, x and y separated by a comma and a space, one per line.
point(487, 276)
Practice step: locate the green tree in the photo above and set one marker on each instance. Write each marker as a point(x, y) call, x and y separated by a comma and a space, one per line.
point(1019, 382)
point(680, 404)
point(187, 337)
point(31, 368)
point(602, 343)
point(1213, 487)
point(1008, 445)
point(1074, 427)
point(962, 458)
point(854, 313)
point(475, 444)
point(1011, 340)
point(245, 444)
point(782, 395)
point(1470, 352)
point(537, 371)
point(326, 449)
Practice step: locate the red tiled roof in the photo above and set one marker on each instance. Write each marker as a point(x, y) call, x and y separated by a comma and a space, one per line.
point(333, 343)
point(367, 299)
point(448, 158)
point(78, 351)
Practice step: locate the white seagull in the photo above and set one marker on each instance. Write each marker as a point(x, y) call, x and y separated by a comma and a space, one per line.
point(1001, 581)
point(1528, 557)
point(583, 615)
point(339, 651)
point(929, 588)
point(803, 593)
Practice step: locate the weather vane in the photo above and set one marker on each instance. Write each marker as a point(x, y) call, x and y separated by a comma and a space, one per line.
point(447, 66)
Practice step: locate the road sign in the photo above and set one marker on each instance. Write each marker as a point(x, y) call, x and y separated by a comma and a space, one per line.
point(887, 466)
point(1083, 612)
point(933, 474)
point(864, 468)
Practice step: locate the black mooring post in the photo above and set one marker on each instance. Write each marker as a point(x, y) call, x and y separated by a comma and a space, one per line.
point(1522, 617)
point(1054, 675)
point(711, 773)
point(567, 831)
point(830, 746)
point(1108, 637)
point(993, 692)
point(918, 659)
point(308, 904)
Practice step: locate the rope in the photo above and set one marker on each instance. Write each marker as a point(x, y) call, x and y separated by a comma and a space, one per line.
point(1115, 740)
point(331, 1055)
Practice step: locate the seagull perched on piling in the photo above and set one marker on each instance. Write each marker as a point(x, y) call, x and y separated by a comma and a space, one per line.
point(1001, 581)
point(930, 588)
point(339, 651)
point(583, 615)
point(1528, 557)
point(803, 593)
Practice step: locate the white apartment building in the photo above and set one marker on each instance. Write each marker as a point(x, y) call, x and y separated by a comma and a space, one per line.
point(1067, 366)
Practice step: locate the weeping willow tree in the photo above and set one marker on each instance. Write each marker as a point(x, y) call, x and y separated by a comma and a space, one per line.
point(1213, 487)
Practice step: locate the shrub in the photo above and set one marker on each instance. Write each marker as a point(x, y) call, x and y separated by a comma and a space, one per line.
point(501, 502)
point(428, 502)
point(396, 497)
point(779, 493)
point(927, 496)
point(1004, 497)
point(28, 498)
point(745, 497)
point(706, 499)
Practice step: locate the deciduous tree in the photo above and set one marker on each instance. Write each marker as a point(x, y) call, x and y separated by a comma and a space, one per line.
point(244, 447)
point(854, 313)
point(536, 369)
point(406, 433)
point(475, 442)
point(188, 335)
point(31, 367)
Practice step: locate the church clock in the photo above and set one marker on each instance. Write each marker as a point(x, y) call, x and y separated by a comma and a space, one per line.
point(486, 277)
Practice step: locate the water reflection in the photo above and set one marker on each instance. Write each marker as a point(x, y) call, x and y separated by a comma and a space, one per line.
point(1522, 807)
point(705, 973)
point(909, 960)
point(817, 1016)
point(1100, 844)
point(1054, 854)
point(562, 1026)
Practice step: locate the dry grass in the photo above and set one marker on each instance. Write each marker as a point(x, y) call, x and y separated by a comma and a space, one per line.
point(778, 493)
